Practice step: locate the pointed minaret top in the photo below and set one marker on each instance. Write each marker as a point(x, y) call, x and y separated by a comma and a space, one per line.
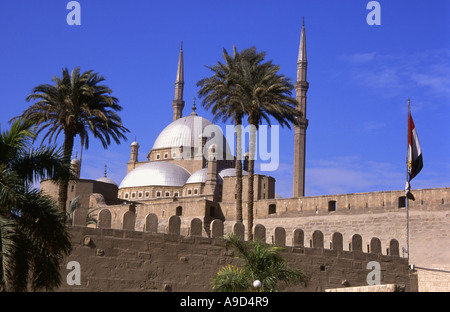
point(302, 49)
point(180, 70)
point(178, 102)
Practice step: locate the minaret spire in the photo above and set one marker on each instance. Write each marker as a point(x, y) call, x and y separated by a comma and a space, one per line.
point(301, 87)
point(178, 102)
point(302, 49)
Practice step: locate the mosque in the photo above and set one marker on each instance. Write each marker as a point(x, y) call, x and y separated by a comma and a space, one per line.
point(189, 172)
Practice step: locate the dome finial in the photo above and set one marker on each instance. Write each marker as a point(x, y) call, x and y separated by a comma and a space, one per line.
point(105, 170)
point(194, 108)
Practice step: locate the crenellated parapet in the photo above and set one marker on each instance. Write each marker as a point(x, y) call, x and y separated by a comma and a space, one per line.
point(165, 257)
point(216, 229)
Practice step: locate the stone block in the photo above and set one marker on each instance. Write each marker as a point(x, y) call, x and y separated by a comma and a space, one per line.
point(104, 219)
point(217, 228)
point(129, 220)
point(174, 225)
point(151, 223)
point(196, 228)
point(279, 234)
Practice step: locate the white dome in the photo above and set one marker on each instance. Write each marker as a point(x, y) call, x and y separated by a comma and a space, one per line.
point(230, 172)
point(186, 132)
point(158, 173)
point(200, 176)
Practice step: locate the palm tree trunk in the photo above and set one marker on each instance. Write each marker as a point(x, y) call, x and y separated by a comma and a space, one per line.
point(251, 170)
point(64, 184)
point(238, 167)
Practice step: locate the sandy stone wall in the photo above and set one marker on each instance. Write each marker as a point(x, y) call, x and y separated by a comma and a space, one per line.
point(128, 260)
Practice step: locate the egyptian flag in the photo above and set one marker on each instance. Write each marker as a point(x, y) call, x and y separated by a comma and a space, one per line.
point(415, 161)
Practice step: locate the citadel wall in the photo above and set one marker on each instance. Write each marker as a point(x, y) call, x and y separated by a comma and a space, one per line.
point(379, 214)
point(129, 260)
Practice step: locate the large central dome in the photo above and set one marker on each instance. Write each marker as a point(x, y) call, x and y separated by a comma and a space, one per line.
point(186, 132)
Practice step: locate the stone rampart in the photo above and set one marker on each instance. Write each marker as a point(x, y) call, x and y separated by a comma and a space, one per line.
point(150, 260)
point(433, 199)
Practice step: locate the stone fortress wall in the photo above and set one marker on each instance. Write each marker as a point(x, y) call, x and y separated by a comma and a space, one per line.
point(377, 214)
point(151, 260)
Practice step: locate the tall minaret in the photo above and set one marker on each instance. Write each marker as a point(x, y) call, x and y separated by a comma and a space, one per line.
point(178, 102)
point(301, 87)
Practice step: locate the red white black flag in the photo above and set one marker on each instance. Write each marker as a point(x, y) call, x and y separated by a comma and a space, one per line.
point(415, 161)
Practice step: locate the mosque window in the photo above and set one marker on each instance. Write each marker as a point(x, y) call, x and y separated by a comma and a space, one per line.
point(189, 192)
point(166, 155)
point(179, 211)
point(126, 195)
point(147, 194)
point(157, 156)
point(332, 205)
point(158, 194)
point(133, 195)
point(402, 202)
point(167, 194)
point(272, 209)
point(176, 194)
point(195, 191)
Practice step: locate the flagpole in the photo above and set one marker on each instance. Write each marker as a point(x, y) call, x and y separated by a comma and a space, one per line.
point(409, 186)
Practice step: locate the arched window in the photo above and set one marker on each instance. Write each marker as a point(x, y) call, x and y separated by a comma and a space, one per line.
point(179, 211)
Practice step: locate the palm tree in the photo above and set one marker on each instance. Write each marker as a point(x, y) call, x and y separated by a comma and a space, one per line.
point(33, 237)
point(244, 85)
point(262, 262)
point(76, 105)
point(267, 95)
point(222, 94)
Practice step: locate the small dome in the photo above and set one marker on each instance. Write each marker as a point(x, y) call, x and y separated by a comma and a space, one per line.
point(75, 161)
point(106, 180)
point(158, 173)
point(230, 172)
point(200, 176)
point(135, 144)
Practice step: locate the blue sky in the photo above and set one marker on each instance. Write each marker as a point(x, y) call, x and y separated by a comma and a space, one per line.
point(360, 76)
